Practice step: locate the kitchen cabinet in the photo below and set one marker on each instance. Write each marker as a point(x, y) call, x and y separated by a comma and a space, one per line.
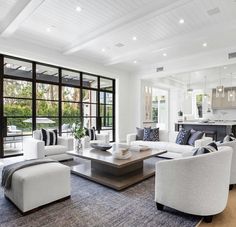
point(222, 102)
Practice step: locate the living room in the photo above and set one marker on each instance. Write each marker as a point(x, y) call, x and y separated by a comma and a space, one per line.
point(151, 82)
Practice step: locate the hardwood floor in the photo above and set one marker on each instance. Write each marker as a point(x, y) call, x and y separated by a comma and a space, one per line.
point(228, 217)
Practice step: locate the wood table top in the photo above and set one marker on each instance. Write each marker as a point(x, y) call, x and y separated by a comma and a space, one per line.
point(107, 157)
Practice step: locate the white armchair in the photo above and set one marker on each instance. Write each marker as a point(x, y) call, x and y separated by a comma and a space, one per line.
point(197, 185)
point(100, 138)
point(35, 148)
point(231, 144)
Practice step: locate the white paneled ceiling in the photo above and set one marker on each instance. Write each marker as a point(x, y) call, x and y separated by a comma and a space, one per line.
point(95, 31)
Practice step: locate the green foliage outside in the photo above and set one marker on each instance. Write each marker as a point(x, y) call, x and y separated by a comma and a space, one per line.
point(47, 104)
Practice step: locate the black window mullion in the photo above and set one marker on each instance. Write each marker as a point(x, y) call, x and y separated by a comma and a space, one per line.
point(98, 121)
point(81, 100)
point(60, 103)
point(34, 90)
point(2, 125)
point(113, 110)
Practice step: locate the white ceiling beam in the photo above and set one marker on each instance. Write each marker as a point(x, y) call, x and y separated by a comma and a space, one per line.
point(148, 11)
point(22, 11)
point(166, 44)
point(189, 63)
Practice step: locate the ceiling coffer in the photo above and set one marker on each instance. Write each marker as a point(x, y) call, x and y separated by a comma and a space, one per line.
point(232, 55)
point(159, 69)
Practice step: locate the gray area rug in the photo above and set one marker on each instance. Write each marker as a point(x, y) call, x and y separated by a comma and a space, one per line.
point(93, 205)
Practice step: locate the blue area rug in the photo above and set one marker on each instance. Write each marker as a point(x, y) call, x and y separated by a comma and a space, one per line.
point(92, 204)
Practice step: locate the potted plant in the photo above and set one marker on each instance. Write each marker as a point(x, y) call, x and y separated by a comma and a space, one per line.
point(78, 132)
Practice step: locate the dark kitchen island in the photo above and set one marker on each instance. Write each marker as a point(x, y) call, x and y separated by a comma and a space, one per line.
point(217, 130)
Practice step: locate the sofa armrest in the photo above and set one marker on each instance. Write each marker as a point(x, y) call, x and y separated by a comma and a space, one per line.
point(66, 141)
point(33, 149)
point(130, 138)
point(103, 137)
point(202, 142)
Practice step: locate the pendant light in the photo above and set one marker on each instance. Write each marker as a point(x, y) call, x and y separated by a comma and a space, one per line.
point(231, 92)
point(205, 95)
point(220, 91)
point(189, 89)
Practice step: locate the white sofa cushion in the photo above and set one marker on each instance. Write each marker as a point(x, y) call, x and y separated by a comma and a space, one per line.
point(169, 146)
point(55, 149)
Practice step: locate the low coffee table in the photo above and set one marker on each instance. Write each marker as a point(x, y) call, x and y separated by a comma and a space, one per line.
point(118, 174)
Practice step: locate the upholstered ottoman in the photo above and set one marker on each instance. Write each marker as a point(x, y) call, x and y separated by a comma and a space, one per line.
point(39, 185)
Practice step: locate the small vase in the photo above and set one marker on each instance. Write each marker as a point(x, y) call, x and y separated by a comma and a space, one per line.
point(78, 145)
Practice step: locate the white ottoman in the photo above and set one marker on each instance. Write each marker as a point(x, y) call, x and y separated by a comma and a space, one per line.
point(39, 185)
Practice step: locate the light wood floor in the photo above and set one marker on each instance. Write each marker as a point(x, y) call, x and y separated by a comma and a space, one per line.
point(228, 217)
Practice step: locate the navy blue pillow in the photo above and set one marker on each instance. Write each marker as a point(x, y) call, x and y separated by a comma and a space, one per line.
point(147, 134)
point(182, 137)
point(194, 135)
point(154, 136)
point(211, 147)
point(151, 134)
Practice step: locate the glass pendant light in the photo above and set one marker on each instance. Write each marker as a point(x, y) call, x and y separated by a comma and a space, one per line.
point(231, 92)
point(205, 95)
point(220, 91)
point(189, 89)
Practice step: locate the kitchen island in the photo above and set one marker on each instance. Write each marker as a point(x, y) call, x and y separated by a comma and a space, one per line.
point(215, 129)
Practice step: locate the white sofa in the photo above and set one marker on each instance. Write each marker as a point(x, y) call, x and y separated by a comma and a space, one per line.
point(167, 142)
point(35, 148)
point(197, 185)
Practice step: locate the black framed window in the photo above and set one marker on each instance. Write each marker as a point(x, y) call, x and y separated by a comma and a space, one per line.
point(17, 105)
point(37, 95)
point(47, 97)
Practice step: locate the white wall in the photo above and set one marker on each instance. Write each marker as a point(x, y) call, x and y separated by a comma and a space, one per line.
point(125, 84)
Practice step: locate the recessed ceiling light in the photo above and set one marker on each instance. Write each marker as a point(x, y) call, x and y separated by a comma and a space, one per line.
point(224, 67)
point(204, 44)
point(164, 54)
point(103, 49)
point(134, 38)
point(181, 21)
point(135, 62)
point(78, 9)
point(49, 29)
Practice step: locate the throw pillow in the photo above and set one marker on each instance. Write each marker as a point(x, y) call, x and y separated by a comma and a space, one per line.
point(154, 135)
point(212, 147)
point(146, 134)
point(139, 133)
point(194, 135)
point(49, 137)
point(229, 138)
point(182, 137)
point(91, 133)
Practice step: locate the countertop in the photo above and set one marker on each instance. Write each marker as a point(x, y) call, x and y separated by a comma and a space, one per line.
point(224, 123)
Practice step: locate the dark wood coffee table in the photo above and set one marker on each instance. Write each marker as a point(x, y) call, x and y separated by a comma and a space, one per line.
point(118, 174)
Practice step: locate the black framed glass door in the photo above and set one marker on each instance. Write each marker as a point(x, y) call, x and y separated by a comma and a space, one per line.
point(36, 95)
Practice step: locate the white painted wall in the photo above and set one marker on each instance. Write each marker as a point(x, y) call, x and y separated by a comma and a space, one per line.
point(126, 85)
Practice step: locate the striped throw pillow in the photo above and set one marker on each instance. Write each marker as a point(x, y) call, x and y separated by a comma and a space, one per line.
point(91, 133)
point(49, 137)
